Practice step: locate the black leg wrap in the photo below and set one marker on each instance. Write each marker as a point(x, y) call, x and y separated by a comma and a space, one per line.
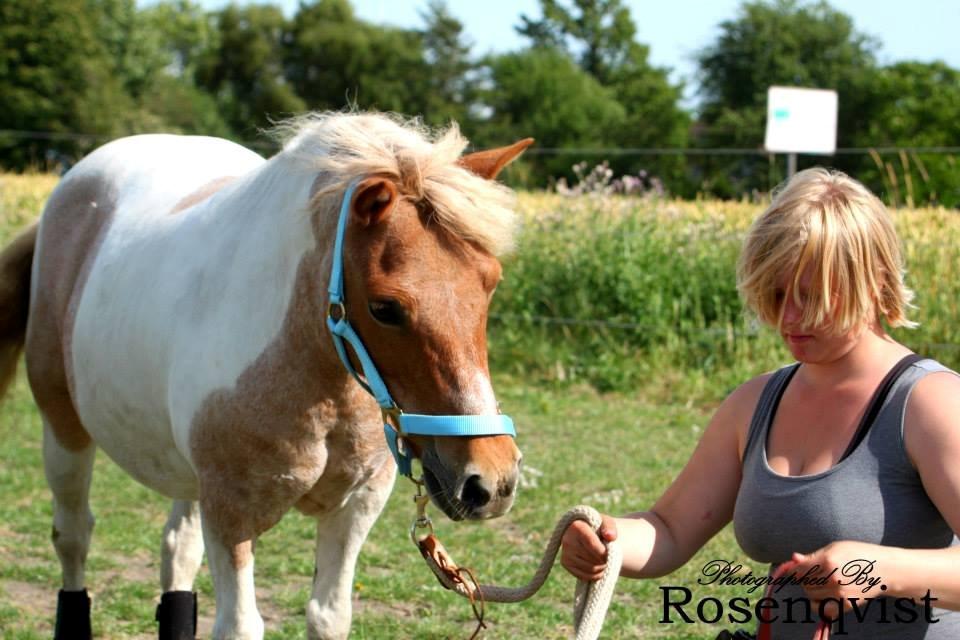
point(177, 615)
point(73, 616)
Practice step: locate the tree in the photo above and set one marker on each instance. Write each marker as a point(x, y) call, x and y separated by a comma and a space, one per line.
point(653, 119)
point(451, 80)
point(334, 59)
point(601, 36)
point(914, 104)
point(245, 70)
point(540, 92)
point(181, 35)
point(56, 77)
point(777, 43)
point(184, 34)
point(132, 44)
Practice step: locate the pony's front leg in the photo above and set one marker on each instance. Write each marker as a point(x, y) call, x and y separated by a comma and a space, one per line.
point(339, 538)
point(231, 566)
point(181, 555)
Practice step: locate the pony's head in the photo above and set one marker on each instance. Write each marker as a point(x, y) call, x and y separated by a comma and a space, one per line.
point(420, 266)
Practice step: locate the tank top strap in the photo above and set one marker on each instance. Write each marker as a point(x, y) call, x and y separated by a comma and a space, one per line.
point(889, 422)
point(767, 405)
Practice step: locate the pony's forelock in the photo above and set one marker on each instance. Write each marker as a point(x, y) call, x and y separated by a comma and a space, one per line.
point(422, 161)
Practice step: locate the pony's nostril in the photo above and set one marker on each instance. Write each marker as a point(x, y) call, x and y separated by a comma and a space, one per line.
point(474, 494)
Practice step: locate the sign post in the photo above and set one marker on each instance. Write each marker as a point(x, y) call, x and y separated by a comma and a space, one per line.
point(800, 121)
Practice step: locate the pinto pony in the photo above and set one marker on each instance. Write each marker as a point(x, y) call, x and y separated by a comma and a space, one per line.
point(172, 305)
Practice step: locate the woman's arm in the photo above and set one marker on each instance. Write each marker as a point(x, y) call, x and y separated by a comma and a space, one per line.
point(932, 439)
point(695, 506)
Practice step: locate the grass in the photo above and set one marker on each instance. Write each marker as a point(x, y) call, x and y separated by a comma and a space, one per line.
point(607, 414)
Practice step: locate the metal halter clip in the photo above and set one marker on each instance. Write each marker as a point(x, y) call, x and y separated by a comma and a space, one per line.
point(422, 521)
point(337, 311)
point(391, 416)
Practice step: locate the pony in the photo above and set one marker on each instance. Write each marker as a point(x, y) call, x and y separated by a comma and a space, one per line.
point(170, 304)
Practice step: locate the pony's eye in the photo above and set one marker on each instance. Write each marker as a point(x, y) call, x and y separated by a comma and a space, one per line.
point(388, 312)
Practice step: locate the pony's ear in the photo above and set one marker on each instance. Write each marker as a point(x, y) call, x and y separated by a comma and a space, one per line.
point(374, 200)
point(487, 164)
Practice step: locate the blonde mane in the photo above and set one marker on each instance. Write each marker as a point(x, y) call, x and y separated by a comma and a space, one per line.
point(423, 162)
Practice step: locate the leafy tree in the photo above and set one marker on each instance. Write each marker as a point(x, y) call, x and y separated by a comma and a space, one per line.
point(914, 104)
point(244, 71)
point(132, 46)
point(601, 36)
point(334, 59)
point(598, 33)
point(781, 42)
point(57, 77)
point(180, 34)
point(451, 79)
point(541, 92)
point(184, 33)
point(653, 119)
point(178, 106)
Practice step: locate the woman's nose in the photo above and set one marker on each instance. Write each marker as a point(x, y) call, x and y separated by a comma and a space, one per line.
point(792, 312)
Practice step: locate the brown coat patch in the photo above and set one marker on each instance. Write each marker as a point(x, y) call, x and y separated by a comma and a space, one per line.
point(202, 193)
point(73, 225)
point(270, 444)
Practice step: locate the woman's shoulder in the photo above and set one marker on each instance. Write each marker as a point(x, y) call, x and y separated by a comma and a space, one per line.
point(745, 396)
point(931, 426)
point(738, 408)
point(934, 403)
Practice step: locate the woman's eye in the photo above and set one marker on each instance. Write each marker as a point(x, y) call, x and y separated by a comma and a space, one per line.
point(388, 312)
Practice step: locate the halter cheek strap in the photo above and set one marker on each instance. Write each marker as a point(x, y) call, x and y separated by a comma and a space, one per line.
point(397, 424)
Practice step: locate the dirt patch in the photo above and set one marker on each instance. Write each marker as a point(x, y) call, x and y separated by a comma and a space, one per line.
point(375, 608)
point(34, 601)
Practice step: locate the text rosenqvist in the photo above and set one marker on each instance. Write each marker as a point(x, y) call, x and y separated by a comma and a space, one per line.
point(678, 604)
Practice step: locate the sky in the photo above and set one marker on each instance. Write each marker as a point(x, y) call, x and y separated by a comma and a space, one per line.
point(675, 30)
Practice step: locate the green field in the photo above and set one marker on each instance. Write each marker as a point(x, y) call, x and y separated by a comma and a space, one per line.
point(607, 413)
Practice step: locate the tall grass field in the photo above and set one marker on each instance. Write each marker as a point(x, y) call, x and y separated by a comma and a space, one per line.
point(614, 334)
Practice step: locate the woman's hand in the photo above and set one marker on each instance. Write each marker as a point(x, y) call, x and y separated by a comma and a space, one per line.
point(853, 570)
point(584, 552)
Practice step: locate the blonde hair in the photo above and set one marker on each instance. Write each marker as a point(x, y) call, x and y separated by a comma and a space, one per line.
point(423, 162)
point(828, 224)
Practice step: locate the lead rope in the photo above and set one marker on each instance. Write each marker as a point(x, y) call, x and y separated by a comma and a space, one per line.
point(591, 599)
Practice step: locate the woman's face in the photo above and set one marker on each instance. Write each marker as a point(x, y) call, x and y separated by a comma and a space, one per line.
point(810, 345)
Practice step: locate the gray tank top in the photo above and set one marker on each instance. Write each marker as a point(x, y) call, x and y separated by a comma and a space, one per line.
point(872, 495)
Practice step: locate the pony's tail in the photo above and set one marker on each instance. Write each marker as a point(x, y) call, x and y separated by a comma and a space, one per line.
point(16, 261)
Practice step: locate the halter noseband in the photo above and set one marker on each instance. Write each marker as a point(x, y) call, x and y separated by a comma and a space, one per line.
point(397, 424)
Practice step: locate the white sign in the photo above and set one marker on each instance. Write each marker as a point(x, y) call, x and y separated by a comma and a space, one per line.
point(801, 120)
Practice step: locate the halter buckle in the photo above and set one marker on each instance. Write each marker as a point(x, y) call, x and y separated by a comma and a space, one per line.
point(391, 416)
point(336, 311)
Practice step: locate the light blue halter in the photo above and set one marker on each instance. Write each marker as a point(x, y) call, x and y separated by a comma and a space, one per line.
point(397, 424)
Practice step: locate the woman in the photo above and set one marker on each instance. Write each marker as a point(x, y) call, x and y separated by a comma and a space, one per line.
point(866, 514)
